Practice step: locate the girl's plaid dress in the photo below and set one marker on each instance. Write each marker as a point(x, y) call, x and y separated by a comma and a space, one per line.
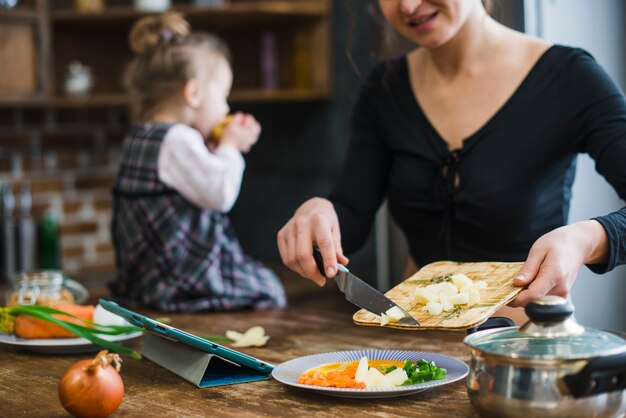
point(172, 255)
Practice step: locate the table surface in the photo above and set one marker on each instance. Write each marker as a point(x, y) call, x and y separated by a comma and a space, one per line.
point(29, 381)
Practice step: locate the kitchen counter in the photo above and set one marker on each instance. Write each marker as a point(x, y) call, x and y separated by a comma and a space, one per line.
point(29, 382)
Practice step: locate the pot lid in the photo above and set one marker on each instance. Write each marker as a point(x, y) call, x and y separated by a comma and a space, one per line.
point(551, 333)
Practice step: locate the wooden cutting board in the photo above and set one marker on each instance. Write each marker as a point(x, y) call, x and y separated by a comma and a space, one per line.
point(500, 290)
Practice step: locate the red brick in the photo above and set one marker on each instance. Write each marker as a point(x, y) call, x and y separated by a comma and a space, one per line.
point(103, 181)
point(102, 266)
point(71, 207)
point(39, 210)
point(78, 228)
point(103, 204)
point(73, 251)
point(43, 185)
point(66, 160)
point(102, 247)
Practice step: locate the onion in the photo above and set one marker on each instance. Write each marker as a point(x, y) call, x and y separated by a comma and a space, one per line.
point(92, 388)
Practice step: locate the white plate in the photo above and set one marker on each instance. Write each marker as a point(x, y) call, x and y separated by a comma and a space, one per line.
point(63, 345)
point(289, 371)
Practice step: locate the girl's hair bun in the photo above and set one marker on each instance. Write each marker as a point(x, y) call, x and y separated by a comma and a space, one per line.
point(153, 31)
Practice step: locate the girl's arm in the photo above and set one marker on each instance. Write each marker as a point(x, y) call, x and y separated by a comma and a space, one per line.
point(208, 180)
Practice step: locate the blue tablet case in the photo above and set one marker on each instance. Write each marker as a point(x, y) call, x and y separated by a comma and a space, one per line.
point(198, 367)
point(200, 364)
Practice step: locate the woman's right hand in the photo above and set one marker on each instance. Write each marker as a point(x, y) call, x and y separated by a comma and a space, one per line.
point(315, 222)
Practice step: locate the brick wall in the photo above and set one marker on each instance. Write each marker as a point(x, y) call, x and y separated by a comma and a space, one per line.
point(69, 158)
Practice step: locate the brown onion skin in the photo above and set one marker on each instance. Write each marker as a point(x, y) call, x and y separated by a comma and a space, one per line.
point(91, 393)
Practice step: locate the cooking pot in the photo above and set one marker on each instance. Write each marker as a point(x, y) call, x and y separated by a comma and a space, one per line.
point(550, 367)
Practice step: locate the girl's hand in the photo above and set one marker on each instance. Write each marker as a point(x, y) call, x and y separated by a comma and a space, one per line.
point(242, 132)
point(315, 221)
point(555, 258)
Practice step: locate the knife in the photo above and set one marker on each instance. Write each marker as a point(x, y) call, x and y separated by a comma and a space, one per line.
point(362, 294)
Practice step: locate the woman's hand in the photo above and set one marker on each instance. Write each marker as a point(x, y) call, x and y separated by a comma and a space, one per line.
point(242, 132)
point(315, 221)
point(555, 258)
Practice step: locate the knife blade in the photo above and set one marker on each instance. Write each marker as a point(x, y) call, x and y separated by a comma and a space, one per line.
point(362, 294)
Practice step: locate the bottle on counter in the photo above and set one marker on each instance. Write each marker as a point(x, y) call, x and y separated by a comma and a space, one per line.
point(49, 241)
point(7, 205)
point(26, 239)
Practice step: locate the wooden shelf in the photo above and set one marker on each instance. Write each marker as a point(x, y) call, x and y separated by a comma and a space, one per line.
point(243, 8)
point(121, 100)
point(99, 41)
point(19, 14)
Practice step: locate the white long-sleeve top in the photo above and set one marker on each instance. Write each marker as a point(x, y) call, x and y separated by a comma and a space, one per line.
point(210, 180)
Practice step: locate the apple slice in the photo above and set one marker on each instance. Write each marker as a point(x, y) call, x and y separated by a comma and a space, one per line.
point(361, 370)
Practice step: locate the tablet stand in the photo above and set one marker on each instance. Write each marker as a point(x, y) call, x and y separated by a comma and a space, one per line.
point(198, 367)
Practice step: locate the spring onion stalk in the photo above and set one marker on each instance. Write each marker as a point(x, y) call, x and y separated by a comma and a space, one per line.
point(87, 331)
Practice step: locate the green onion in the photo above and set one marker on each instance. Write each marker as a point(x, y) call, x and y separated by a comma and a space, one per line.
point(45, 313)
point(422, 371)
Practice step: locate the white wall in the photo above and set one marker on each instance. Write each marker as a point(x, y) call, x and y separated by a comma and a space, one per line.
point(596, 26)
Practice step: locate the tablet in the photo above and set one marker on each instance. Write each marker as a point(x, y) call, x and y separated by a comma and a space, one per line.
point(166, 331)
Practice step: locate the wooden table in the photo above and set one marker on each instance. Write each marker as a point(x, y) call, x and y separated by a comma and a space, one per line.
point(28, 382)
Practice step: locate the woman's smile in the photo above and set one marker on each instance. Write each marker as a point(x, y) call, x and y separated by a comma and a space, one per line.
point(423, 22)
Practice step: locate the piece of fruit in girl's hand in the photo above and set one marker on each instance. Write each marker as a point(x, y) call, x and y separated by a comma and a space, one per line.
point(29, 327)
point(218, 130)
point(92, 387)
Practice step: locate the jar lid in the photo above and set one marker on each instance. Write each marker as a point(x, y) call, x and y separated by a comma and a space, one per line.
point(40, 277)
point(551, 333)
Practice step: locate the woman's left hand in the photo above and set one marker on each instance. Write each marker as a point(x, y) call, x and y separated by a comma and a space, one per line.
point(555, 258)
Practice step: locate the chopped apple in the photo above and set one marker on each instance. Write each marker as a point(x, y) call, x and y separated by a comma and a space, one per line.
point(445, 303)
point(384, 319)
point(395, 314)
point(253, 337)
point(361, 370)
point(447, 289)
point(233, 335)
point(424, 295)
point(434, 308)
point(459, 299)
point(460, 280)
point(373, 378)
point(474, 297)
point(397, 376)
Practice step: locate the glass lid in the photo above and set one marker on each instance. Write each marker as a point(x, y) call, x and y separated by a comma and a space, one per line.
point(551, 333)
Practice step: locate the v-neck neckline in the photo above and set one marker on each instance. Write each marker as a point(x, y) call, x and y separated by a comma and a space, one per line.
point(441, 143)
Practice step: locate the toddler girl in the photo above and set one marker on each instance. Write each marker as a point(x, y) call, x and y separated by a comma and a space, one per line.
point(175, 247)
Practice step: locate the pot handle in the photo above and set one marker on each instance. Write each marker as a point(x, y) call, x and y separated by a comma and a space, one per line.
point(493, 322)
point(600, 375)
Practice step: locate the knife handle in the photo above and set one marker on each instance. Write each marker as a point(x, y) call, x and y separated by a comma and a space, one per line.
point(317, 255)
point(319, 261)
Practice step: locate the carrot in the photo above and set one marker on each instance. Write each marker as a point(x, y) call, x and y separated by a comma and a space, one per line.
point(28, 327)
point(340, 379)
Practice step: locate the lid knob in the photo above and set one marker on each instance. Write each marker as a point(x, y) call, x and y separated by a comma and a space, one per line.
point(549, 309)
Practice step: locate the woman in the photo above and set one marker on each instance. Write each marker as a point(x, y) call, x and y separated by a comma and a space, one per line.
point(473, 139)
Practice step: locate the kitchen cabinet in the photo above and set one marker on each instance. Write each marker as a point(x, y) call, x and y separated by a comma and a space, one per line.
point(298, 29)
point(24, 48)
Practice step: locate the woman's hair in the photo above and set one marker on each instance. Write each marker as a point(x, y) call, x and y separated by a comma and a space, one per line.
point(167, 56)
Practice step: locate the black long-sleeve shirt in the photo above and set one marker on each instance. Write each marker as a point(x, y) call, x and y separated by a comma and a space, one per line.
point(515, 173)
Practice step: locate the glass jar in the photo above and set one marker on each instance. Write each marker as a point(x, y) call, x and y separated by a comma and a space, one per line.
point(43, 287)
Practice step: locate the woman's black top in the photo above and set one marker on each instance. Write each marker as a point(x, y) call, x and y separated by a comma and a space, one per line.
point(514, 174)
